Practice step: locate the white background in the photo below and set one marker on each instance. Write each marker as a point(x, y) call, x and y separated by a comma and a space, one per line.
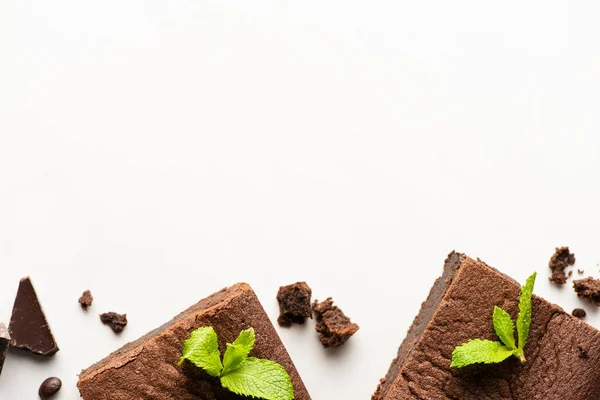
point(155, 151)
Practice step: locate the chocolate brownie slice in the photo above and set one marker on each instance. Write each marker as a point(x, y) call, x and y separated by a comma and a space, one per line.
point(147, 368)
point(459, 307)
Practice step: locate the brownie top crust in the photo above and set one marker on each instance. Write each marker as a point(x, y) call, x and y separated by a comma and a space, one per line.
point(147, 368)
point(459, 307)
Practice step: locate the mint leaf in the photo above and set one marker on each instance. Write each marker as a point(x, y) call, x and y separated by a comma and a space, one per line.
point(524, 318)
point(504, 327)
point(237, 352)
point(202, 350)
point(477, 351)
point(259, 378)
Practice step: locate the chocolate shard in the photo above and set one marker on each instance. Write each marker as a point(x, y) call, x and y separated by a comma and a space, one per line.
point(29, 329)
point(459, 308)
point(4, 344)
point(147, 368)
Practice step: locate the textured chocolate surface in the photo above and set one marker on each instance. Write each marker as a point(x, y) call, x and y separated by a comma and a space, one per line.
point(4, 344)
point(29, 329)
point(147, 368)
point(563, 353)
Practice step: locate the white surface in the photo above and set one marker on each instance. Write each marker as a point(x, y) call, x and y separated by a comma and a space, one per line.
point(156, 151)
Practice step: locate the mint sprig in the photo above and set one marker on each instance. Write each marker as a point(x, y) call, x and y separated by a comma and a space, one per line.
point(478, 351)
point(240, 374)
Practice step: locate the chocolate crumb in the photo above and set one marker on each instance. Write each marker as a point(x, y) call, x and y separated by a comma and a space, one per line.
point(588, 289)
point(294, 303)
point(582, 353)
point(580, 271)
point(570, 273)
point(86, 300)
point(579, 313)
point(561, 258)
point(334, 327)
point(117, 322)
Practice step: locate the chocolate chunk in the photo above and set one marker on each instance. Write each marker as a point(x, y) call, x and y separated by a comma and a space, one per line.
point(86, 300)
point(29, 329)
point(458, 308)
point(147, 368)
point(4, 344)
point(294, 303)
point(49, 387)
point(332, 324)
point(588, 289)
point(579, 313)
point(561, 258)
point(117, 322)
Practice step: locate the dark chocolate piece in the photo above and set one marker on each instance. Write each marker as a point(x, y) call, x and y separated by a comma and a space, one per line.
point(4, 344)
point(588, 289)
point(86, 300)
point(332, 324)
point(560, 260)
point(29, 329)
point(117, 322)
point(49, 387)
point(294, 303)
point(579, 313)
point(459, 308)
point(147, 368)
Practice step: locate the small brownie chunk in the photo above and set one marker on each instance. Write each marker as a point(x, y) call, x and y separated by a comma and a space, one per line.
point(588, 289)
point(147, 368)
point(579, 313)
point(86, 300)
point(294, 303)
point(560, 260)
point(117, 322)
point(332, 324)
point(4, 344)
point(29, 329)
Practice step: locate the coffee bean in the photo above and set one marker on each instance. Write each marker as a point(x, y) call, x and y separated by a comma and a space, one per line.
point(49, 387)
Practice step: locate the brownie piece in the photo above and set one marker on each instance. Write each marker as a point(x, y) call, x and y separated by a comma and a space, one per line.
point(147, 368)
point(4, 344)
point(579, 313)
point(588, 289)
point(117, 322)
point(86, 300)
point(29, 330)
point(560, 260)
point(294, 303)
point(459, 307)
point(332, 324)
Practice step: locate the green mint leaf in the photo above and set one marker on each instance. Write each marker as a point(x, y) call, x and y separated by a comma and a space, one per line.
point(477, 351)
point(202, 350)
point(524, 318)
point(504, 327)
point(259, 378)
point(237, 352)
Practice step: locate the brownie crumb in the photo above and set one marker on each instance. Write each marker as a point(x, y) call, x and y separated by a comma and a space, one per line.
point(588, 289)
point(117, 322)
point(86, 300)
point(582, 353)
point(579, 313)
point(570, 273)
point(561, 258)
point(294, 303)
point(334, 327)
point(580, 271)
